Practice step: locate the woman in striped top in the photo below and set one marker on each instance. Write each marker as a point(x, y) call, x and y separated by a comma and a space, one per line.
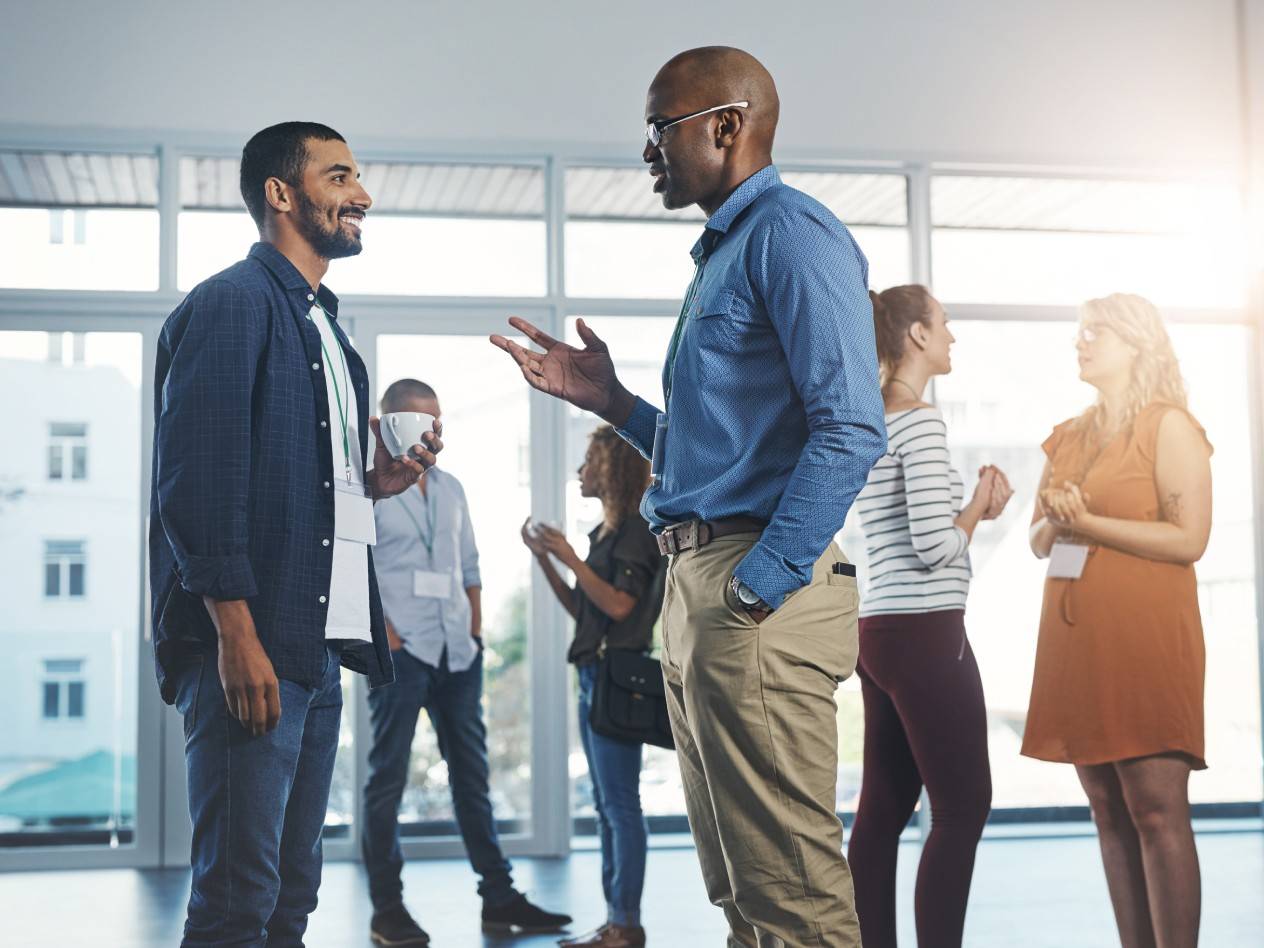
point(925, 723)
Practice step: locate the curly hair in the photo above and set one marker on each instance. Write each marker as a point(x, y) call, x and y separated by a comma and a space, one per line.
point(619, 473)
point(1156, 374)
point(895, 310)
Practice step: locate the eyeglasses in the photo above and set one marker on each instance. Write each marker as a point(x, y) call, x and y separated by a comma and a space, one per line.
point(654, 130)
point(1089, 333)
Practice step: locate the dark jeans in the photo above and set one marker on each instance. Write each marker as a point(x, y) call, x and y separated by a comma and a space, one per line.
point(454, 702)
point(258, 808)
point(615, 770)
point(925, 723)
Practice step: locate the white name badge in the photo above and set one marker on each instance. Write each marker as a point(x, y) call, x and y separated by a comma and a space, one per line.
point(1066, 560)
point(429, 585)
point(353, 517)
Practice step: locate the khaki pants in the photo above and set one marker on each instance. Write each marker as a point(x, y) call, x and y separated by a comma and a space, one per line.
point(753, 713)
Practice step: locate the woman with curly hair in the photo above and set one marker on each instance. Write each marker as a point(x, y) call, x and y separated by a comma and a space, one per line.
point(1124, 512)
point(615, 602)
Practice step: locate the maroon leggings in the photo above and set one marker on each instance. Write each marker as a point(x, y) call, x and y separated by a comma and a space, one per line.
point(925, 724)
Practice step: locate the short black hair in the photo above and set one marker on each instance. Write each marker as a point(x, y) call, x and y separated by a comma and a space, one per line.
point(279, 151)
point(402, 390)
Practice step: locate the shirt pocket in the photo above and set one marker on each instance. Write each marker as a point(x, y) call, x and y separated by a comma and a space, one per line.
point(717, 319)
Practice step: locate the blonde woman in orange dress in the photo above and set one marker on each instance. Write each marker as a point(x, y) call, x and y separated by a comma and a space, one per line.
point(1124, 512)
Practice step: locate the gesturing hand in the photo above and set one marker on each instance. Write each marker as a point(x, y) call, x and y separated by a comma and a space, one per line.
point(391, 476)
point(532, 543)
point(584, 377)
point(555, 542)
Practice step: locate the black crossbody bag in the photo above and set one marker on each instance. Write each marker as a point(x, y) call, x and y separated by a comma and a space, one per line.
point(629, 701)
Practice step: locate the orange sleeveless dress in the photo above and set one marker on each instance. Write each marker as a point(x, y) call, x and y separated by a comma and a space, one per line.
point(1120, 659)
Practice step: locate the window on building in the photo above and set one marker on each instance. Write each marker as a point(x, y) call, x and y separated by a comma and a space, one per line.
point(67, 451)
point(64, 689)
point(65, 569)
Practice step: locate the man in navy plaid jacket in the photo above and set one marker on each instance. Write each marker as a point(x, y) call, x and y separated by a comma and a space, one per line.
point(261, 567)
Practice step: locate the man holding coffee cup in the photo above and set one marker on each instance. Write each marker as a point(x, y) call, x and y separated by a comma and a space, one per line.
point(773, 418)
point(260, 533)
point(427, 563)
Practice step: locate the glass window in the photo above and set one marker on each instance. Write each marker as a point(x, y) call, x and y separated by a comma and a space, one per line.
point(67, 441)
point(434, 229)
point(60, 784)
point(487, 447)
point(1062, 241)
point(64, 568)
point(1011, 383)
point(622, 243)
point(78, 221)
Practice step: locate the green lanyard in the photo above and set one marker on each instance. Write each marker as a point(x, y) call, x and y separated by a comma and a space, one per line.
point(673, 350)
point(344, 409)
point(427, 537)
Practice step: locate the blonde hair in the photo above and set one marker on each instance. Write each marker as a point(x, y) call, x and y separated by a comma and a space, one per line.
point(1156, 374)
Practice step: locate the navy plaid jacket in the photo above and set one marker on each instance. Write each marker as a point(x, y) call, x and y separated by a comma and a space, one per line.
point(241, 501)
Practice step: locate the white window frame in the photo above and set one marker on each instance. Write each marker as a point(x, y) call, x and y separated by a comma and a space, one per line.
point(162, 833)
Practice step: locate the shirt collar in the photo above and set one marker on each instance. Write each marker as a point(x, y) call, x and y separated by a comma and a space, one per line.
point(291, 280)
point(742, 197)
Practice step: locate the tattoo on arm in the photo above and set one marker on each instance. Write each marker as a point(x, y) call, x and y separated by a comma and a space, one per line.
point(1172, 509)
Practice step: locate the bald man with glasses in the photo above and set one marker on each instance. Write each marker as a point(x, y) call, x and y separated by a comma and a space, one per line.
point(772, 419)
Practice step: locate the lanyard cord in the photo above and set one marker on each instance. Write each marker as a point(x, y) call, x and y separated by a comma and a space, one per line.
point(674, 349)
point(426, 537)
point(344, 410)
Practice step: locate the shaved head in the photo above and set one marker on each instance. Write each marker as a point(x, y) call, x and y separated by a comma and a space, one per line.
point(702, 159)
point(719, 74)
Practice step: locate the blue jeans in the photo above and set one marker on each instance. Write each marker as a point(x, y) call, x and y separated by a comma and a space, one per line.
point(258, 808)
point(454, 702)
point(614, 767)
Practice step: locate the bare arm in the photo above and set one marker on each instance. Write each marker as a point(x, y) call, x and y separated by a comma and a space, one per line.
point(1182, 475)
point(564, 593)
point(1043, 531)
point(251, 689)
point(475, 595)
point(615, 603)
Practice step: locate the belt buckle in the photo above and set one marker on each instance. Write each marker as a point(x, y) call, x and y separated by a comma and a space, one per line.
point(667, 542)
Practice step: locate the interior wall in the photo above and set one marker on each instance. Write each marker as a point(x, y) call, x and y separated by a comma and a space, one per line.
point(1142, 83)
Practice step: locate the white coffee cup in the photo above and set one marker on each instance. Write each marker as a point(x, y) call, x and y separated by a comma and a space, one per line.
point(402, 429)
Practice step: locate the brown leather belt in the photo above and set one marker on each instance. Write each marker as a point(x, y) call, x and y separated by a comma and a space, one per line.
point(696, 534)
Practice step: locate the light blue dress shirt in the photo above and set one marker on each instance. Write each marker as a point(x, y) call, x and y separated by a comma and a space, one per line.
point(775, 408)
point(428, 625)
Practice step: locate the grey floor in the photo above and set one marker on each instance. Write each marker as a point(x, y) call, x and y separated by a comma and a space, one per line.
point(1027, 894)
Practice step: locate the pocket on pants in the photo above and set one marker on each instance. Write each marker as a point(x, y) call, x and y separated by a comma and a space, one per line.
point(188, 690)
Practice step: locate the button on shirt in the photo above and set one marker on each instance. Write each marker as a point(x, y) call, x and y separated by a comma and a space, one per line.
point(348, 616)
point(775, 410)
point(242, 497)
point(427, 625)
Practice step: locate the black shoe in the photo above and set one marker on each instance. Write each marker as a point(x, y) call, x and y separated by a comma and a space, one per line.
point(394, 926)
point(520, 917)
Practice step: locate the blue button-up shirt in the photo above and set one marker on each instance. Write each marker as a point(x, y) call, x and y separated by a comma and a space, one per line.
point(406, 526)
point(242, 496)
point(775, 409)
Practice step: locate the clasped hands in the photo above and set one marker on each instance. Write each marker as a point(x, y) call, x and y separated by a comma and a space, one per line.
point(1065, 506)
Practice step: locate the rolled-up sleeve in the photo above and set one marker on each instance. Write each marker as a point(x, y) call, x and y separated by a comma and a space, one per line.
point(470, 576)
point(203, 440)
point(813, 279)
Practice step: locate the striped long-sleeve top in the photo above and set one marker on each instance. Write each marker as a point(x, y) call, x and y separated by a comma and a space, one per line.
point(918, 559)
